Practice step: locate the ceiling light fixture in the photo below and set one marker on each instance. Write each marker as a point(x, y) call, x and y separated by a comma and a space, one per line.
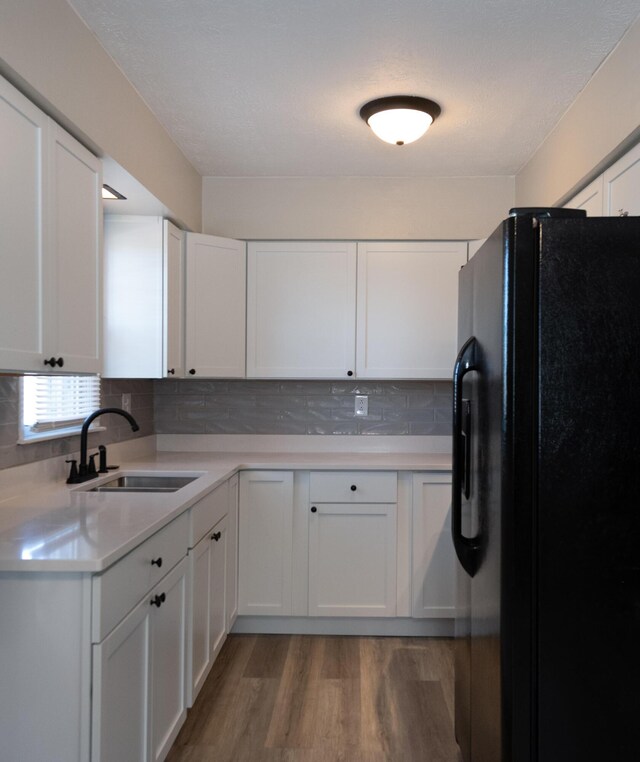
point(112, 195)
point(400, 119)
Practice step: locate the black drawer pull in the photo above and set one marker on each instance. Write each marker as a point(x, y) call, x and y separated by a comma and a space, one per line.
point(216, 536)
point(156, 562)
point(353, 488)
point(158, 600)
point(313, 509)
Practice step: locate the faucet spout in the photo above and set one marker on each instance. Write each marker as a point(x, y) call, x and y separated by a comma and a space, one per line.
point(83, 474)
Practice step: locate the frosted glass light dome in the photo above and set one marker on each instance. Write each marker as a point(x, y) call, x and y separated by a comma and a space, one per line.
point(400, 119)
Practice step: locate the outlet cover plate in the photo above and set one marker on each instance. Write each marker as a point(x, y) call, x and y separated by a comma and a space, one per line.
point(362, 404)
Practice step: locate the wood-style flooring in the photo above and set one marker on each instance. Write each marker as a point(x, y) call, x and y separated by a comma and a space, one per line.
point(301, 698)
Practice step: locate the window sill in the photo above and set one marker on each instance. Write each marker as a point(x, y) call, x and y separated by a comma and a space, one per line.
point(45, 436)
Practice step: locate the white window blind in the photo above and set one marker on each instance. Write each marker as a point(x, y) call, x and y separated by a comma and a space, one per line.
point(50, 403)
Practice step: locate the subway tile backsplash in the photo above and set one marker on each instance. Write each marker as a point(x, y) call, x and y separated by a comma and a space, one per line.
point(301, 407)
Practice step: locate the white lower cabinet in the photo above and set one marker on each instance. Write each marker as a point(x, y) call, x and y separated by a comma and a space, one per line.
point(139, 677)
point(265, 543)
point(352, 559)
point(433, 565)
point(352, 543)
point(208, 627)
point(232, 553)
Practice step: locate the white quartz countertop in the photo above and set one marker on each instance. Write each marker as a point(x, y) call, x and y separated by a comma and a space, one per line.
point(58, 528)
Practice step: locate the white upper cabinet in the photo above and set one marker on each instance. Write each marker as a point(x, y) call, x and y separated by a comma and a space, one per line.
point(407, 308)
point(301, 310)
point(50, 243)
point(215, 306)
point(622, 185)
point(143, 304)
point(590, 199)
point(23, 134)
point(73, 277)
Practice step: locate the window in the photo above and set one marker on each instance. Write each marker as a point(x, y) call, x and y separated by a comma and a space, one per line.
point(56, 406)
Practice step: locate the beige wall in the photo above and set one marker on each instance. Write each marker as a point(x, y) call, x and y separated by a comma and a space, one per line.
point(599, 126)
point(48, 52)
point(355, 207)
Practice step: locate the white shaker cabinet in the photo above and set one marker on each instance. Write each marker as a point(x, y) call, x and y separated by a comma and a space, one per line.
point(143, 297)
point(434, 566)
point(407, 308)
point(231, 598)
point(50, 244)
point(215, 307)
point(208, 631)
point(622, 186)
point(138, 677)
point(301, 309)
point(591, 198)
point(352, 544)
point(265, 550)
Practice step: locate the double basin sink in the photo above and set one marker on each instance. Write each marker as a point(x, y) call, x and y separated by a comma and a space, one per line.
point(144, 483)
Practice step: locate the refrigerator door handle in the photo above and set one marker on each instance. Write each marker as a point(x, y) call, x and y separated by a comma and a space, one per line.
point(466, 548)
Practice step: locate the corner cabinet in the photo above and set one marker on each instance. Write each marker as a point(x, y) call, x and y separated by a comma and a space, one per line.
point(215, 307)
point(50, 244)
point(144, 295)
point(408, 308)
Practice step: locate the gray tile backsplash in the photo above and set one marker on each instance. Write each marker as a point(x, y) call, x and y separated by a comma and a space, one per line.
point(301, 407)
point(118, 430)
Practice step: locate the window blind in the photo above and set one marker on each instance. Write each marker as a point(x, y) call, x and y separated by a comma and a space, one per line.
point(57, 402)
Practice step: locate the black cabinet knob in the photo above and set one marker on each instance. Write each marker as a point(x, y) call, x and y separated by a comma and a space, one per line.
point(156, 562)
point(353, 488)
point(171, 371)
point(158, 600)
point(192, 372)
point(53, 362)
point(313, 509)
point(349, 373)
point(216, 536)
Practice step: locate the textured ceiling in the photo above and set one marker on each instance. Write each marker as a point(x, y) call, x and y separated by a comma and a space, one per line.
point(273, 87)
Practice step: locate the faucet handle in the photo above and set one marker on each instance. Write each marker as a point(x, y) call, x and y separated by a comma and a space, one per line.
point(73, 471)
point(92, 464)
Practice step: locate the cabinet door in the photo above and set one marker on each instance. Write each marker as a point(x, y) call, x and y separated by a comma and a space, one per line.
point(434, 567)
point(622, 185)
point(23, 138)
point(301, 310)
point(200, 658)
point(168, 660)
point(219, 542)
point(173, 289)
point(265, 542)
point(408, 308)
point(73, 293)
point(133, 297)
point(121, 690)
point(215, 307)
point(352, 560)
point(232, 554)
point(591, 199)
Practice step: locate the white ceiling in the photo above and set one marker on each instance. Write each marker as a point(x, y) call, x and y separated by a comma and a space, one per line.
point(273, 87)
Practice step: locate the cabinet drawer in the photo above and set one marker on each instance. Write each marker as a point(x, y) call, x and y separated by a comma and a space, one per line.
point(207, 512)
point(353, 486)
point(121, 586)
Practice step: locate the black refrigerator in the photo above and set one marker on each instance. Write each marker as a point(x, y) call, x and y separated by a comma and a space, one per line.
point(546, 491)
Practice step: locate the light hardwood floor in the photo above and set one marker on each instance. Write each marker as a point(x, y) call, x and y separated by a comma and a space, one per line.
point(300, 698)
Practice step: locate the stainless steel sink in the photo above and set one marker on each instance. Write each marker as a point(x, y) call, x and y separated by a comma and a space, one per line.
point(137, 483)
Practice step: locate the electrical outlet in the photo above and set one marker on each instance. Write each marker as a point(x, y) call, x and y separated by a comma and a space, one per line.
point(126, 403)
point(362, 404)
